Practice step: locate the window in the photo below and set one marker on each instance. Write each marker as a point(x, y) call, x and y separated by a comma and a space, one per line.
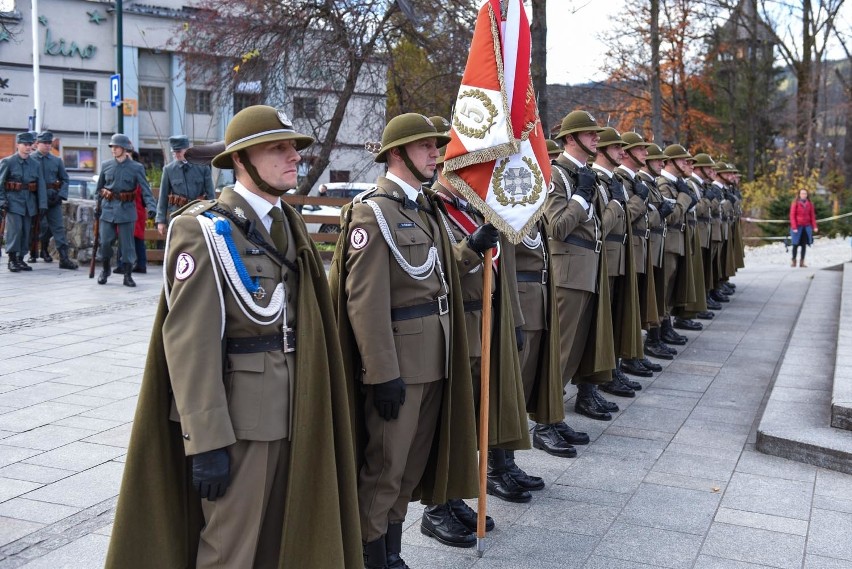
point(338, 176)
point(79, 158)
point(152, 98)
point(304, 107)
point(243, 100)
point(76, 92)
point(198, 102)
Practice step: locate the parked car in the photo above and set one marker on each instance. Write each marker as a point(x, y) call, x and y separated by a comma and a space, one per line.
point(332, 190)
point(82, 186)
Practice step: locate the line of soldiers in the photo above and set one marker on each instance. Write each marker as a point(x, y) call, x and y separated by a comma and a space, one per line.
point(265, 381)
point(33, 185)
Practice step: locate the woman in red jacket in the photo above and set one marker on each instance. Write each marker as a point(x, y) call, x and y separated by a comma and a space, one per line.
point(803, 225)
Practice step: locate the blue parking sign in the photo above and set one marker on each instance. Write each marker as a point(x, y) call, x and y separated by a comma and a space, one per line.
point(115, 90)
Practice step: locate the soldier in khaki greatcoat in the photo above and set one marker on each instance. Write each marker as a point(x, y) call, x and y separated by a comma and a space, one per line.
point(401, 319)
point(245, 349)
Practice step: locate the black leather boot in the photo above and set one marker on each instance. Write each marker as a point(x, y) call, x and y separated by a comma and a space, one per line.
point(44, 254)
point(393, 544)
point(375, 554)
point(13, 263)
point(655, 348)
point(548, 439)
point(64, 261)
point(499, 483)
point(33, 257)
point(586, 403)
point(467, 516)
point(128, 278)
point(617, 387)
point(728, 288)
point(441, 523)
point(634, 385)
point(705, 315)
point(105, 272)
point(712, 304)
point(719, 296)
point(610, 406)
point(635, 367)
point(522, 478)
point(21, 264)
point(687, 324)
point(669, 336)
point(571, 436)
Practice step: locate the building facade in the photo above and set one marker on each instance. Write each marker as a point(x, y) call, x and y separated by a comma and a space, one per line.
point(77, 56)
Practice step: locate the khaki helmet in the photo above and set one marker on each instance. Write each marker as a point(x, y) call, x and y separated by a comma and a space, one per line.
point(407, 128)
point(121, 140)
point(553, 148)
point(578, 121)
point(654, 153)
point(632, 140)
point(703, 160)
point(441, 124)
point(733, 169)
point(675, 151)
point(256, 125)
point(609, 136)
point(442, 152)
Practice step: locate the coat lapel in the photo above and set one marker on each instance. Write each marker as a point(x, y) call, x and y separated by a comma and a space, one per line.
point(236, 203)
point(394, 190)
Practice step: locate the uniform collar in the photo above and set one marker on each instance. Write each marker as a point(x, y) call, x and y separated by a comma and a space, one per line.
point(411, 192)
point(574, 160)
point(669, 176)
point(600, 168)
point(629, 172)
point(260, 206)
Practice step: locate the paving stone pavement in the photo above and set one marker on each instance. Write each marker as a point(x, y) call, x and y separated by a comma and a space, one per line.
point(672, 481)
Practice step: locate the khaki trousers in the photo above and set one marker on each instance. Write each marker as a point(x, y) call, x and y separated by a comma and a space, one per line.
point(530, 361)
point(395, 457)
point(243, 528)
point(575, 318)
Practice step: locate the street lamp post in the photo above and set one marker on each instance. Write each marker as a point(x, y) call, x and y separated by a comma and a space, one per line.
point(119, 41)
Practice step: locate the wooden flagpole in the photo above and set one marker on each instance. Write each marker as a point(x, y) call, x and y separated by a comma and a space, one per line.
point(484, 384)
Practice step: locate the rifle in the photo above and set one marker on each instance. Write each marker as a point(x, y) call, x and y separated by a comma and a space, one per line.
point(97, 238)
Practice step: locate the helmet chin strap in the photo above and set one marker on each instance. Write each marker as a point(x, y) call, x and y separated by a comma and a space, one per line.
point(638, 162)
point(255, 176)
point(609, 159)
point(679, 170)
point(651, 170)
point(582, 146)
point(410, 165)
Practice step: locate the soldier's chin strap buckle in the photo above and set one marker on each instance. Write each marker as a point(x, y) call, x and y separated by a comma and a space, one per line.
point(443, 304)
point(288, 340)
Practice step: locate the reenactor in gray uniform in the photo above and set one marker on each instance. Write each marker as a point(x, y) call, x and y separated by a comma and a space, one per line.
point(182, 183)
point(22, 196)
point(117, 206)
point(52, 223)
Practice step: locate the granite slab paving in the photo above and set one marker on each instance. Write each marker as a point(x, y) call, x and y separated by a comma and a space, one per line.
point(673, 480)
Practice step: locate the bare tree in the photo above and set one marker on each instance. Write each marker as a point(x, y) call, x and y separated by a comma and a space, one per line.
point(538, 69)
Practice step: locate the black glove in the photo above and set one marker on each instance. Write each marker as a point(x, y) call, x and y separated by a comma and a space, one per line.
point(211, 473)
point(665, 209)
point(586, 183)
point(519, 337)
point(42, 210)
point(151, 214)
point(640, 189)
point(388, 397)
point(484, 238)
point(681, 186)
point(616, 188)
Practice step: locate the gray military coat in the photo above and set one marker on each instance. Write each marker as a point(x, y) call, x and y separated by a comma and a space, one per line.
point(22, 202)
point(123, 177)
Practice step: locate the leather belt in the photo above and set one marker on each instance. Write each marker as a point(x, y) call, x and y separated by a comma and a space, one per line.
point(703, 219)
point(18, 186)
point(285, 341)
point(584, 243)
point(658, 231)
point(439, 306)
point(55, 185)
point(472, 305)
point(175, 199)
point(110, 195)
point(642, 234)
point(620, 238)
point(532, 277)
point(690, 222)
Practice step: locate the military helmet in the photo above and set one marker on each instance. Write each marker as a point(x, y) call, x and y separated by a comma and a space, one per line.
point(255, 125)
point(121, 140)
point(578, 121)
point(703, 160)
point(632, 140)
point(442, 152)
point(553, 148)
point(723, 168)
point(25, 138)
point(609, 136)
point(45, 136)
point(441, 124)
point(654, 153)
point(407, 128)
point(179, 142)
point(674, 151)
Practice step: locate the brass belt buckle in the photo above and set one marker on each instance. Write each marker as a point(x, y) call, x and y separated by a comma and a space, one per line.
point(544, 276)
point(443, 304)
point(288, 340)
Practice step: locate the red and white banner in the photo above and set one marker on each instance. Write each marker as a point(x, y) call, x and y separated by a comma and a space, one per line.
point(497, 155)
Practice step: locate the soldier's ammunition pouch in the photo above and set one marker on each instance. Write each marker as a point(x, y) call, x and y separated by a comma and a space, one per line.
point(55, 185)
point(19, 186)
point(176, 200)
point(127, 196)
point(106, 194)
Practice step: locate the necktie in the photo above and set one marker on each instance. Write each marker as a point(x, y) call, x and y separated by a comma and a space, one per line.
point(279, 234)
point(421, 201)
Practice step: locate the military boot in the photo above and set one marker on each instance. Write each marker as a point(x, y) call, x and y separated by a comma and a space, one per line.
point(687, 324)
point(669, 336)
point(654, 347)
point(105, 273)
point(33, 256)
point(586, 403)
point(571, 436)
point(44, 254)
point(128, 278)
point(651, 365)
point(21, 264)
point(548, 439)
point(634, 385)
point(467, 515)
point(635, 367)
point(442, 524)
point(499, 482)
point(13, 263)
point(393, 543)
point(610, 406)
point(523, 479)
point(617, 387)
point(64, 261)
point(712, 304)
point(375, 554)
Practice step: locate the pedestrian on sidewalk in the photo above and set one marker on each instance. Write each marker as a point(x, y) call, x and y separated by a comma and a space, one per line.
point(803, 225)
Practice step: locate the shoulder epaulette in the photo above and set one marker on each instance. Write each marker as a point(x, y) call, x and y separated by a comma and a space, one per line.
point(195, 207)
